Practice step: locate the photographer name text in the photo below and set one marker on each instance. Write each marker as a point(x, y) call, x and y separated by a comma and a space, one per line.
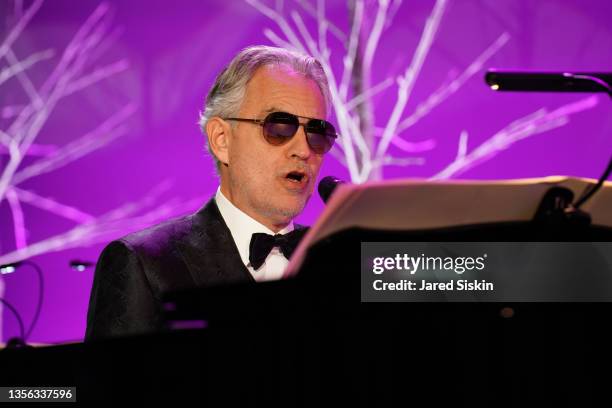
point(428, 286)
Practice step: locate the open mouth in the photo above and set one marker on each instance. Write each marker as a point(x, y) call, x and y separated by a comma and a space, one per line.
point(296, 176)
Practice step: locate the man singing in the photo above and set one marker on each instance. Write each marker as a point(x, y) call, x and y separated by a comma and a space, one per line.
point(265, 124)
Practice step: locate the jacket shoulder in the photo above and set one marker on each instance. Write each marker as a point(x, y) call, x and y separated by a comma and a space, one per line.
point(158, 238)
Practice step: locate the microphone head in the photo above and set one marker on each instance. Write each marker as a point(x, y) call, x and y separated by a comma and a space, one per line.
point(327, 185)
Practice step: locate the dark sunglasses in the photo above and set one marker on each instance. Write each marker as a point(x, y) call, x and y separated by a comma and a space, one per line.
point(279, 127)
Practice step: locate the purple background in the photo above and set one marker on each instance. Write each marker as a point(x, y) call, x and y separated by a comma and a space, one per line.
point(176, 48)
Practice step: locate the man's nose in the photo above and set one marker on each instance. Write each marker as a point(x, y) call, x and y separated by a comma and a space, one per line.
point(298, 146)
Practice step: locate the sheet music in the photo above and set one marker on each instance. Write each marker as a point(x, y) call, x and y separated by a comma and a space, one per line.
point(413, 204)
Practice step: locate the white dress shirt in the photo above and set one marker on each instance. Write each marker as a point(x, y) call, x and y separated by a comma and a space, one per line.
point(242, 227)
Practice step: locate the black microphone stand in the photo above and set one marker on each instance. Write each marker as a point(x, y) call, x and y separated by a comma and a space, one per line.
point(557, 207)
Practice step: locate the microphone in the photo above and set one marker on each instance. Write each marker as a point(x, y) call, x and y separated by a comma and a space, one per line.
point(549, 81)
point(327, 185)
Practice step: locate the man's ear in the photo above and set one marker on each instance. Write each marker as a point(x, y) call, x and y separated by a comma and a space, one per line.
point(218, 131)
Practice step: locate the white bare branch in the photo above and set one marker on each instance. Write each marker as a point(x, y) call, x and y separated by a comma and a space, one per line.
point(308, 39)
point(279, 42)
point(351, 53)
point(25, 81)
point(399, 161)
point(101, 230)
point(462, 148)
point(337, 32)
point(67, 77)
point(19, 27)
point(280, 21)
point(407, 81)
point(374, 38)
point(105, 133)
point(19, 230)
point(449, 88)
point(28, 123)
point(24, 64)
point(53, 206)
point(96, 76)
point(369, 93)
point(538, 122)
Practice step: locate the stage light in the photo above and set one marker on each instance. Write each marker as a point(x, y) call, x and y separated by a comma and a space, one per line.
point(80, 266)
point(8, 268)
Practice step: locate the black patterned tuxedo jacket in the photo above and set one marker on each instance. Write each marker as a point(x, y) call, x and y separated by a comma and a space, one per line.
point(133, 272)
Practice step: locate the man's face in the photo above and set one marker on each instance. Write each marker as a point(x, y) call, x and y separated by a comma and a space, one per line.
point(257, 175)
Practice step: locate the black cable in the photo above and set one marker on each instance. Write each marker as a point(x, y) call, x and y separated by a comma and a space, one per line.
point(591, 190)
point(596, 80)
point(41, 292)
point(19, 321)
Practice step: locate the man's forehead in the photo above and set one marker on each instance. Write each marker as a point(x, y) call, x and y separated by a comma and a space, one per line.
point(281, 89)
point(272, 79)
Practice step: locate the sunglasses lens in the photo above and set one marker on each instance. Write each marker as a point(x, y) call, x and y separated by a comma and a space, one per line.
point(321, 135)
point(279, 127)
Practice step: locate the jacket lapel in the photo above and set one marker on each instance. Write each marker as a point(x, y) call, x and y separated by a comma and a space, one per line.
point(209, 250)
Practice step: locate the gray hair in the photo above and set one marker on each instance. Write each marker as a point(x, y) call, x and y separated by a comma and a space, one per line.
point(225, 97)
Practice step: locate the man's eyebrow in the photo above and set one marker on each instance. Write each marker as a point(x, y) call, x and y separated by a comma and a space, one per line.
point(275, 109)
point(272, 109)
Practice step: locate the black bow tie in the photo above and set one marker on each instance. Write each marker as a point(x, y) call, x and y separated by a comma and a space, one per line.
point(262, 244)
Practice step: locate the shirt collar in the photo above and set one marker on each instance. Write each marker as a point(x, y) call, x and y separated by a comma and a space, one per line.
point(242, 226)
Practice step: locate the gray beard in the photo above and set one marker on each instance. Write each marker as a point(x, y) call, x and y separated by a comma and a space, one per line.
point(270, 211)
